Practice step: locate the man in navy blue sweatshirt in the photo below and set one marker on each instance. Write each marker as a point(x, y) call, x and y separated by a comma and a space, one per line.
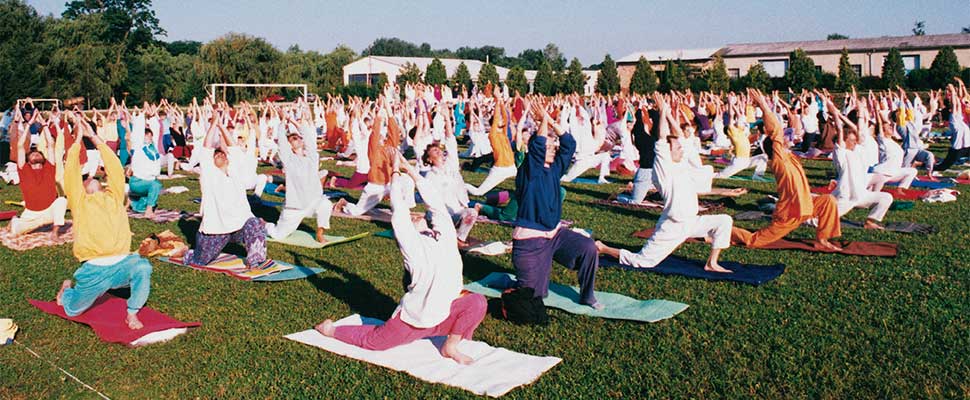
point(538, 237)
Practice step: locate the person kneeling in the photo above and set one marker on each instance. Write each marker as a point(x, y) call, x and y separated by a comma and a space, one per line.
point(434, 304)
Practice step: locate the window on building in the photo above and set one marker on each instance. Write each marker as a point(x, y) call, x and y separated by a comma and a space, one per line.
point(775, 68)
point(818, 68)
point(734, 73)
point(358, 78)
point(910, 63)
point(858, 69)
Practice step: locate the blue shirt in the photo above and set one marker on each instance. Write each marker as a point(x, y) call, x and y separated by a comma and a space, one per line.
point(537, 188)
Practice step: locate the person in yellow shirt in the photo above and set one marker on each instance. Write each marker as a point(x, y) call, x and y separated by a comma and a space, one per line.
point(102, 237)
point(504, 167)
point(738, 133)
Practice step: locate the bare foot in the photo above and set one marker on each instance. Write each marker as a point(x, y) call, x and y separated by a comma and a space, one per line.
point(715, 267)
point(55, 233)
point(133, 322)
point(451, 351)
point(826, 245)
point(340, 205)
point(325, 328)
point(280, 189)
point(597, 306)
point(600, 247)
point(873, 225)
point(60, 293)
point(320, 237)
point(149, 213)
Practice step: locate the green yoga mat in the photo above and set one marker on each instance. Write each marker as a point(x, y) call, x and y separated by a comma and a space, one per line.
point(750, 179)
point(305, 239)
point(566, 298)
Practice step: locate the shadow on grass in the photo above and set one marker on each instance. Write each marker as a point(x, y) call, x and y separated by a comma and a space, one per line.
point(359, 294)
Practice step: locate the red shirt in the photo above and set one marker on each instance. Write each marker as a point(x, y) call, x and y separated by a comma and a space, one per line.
point(38, 186)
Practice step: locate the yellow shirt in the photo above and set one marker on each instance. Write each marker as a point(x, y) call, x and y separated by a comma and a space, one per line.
point(501, 148)
point(100, 220)
point(742, 148)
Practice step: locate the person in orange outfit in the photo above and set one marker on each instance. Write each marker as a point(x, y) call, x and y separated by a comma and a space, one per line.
point(795, 202)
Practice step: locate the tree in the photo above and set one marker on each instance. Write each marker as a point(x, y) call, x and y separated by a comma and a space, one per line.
point(178, 47)
point(757, 77)
point(79, 63)
point(410, 73)
point(836, 36)
point(436, 74)
point(488, 74)
point(574, 80)
point(945, 67)
point(847, 77)
point(673, 77)
point(644, 79)
point(919, 28)
point(555, 58)
point(919, 79)
point(516, 81)
point(801, 71)
point(893, 69)
point(130, 23)
point(392, 47)
point(21, 54)
point(608, 81)
point(462, 77)
point(545, 82)
point(239, 58)
point(717, 76)
point(490, 54)
point(530, 59)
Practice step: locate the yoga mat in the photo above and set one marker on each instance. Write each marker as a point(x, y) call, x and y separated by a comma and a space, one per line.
point(253, 200)
point(875, 249)
point(750, 179)
point(931, 185)
point(233, 266)
point(485, 220)
point(305, 239)
point(674, 265)
point(907, 194)
point(495, 372)
point(901, 227)
point(566, 298)
point(588, 181)
point(38, 238)
point(107, 318)
point(166, 177)
point(376, 214)
point(7, 215)
point(161, 216)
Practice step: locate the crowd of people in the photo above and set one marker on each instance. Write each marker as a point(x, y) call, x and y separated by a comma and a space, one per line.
point(100, 164)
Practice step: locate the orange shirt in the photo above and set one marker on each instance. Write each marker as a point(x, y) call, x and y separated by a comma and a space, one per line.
point(381, 155)
point(501, 148)
point(794, 194)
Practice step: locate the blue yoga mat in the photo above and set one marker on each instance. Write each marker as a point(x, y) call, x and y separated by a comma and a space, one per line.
point(270, 189)
point(931, 185)
point(587, 181)
point(297, 272)
point(674, 265)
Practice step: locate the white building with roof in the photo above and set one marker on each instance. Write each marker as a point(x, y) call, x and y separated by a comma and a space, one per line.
point(367, 69)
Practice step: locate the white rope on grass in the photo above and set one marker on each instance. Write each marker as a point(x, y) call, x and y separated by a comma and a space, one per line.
point(62, 370)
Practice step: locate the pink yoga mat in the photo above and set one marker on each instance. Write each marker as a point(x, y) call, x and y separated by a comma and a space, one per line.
point(6, 215)
point(107, 318)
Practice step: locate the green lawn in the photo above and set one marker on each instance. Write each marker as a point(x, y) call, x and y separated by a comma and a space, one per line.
point(830, 327)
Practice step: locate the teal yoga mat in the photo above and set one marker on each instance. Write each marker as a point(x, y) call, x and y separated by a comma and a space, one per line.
point(566, 298)
point(305, 239)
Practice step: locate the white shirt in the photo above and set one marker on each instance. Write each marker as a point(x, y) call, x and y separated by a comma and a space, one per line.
point(810, 118)
point(890, 157)
point(448, 180)
point(361, 137)
point(303, 187)
point(224, 205)
point(675, 181)
point(852, 182)
point(434, 263)
point(142, 167)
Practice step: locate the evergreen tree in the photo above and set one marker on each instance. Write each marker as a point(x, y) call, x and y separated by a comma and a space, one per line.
point(574, 80)
point(435, 74)
point(893, 69)
point(545, 82)
point(717, 76)
point(462, 77)
point(608, 81)
point(673, 78)
point(410, 73)
point(847, 76)
point(644, 78)
point(945, 67)
point(488, 74)
point(757, 77)
point(516, 81)
point(801, 72)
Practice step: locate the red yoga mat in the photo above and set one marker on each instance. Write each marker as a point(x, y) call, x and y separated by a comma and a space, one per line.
point(107, 318)
point(7, 215)
point(907, 194)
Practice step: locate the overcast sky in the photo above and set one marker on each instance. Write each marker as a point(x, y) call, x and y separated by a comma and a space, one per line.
point(584, 29)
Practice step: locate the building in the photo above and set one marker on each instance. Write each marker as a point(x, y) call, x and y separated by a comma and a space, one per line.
point(866, 55)
point(367, 69)
point(697, 59)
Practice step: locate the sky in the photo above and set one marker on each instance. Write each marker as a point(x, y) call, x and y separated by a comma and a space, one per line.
point(584, 29)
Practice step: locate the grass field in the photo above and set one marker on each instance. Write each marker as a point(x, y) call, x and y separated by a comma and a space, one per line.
point(830, 327)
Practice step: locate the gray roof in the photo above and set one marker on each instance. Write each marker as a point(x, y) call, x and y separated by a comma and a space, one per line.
point(956, 40)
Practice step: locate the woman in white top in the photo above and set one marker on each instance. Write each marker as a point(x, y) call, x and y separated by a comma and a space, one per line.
point(589, 140)
point(890, 168)
point(434, 304)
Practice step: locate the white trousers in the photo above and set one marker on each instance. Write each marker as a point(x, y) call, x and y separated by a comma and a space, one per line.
point(903, 177)
point(30, 220)
point(291, 218)
point(369, 198)
point(496, 175)
point(759, 162)
point(582, 164)
point(879, 201)
point(669, 235)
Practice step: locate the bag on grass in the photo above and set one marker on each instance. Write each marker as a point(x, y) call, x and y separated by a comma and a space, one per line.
point(521, 306)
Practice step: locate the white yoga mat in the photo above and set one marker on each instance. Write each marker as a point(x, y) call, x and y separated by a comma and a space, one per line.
point(494, 373)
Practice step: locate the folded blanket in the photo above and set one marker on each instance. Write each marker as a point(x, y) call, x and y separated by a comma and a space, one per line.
point(38, 238)
point(304, 239)
point(674, 265)
point(175, 190)
point(490, 248)
point(566, 298)
point(495, 372)
point(166, 177)
point(876, 249)
point(107, 318)
point(270, 271)
point(161, 216)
